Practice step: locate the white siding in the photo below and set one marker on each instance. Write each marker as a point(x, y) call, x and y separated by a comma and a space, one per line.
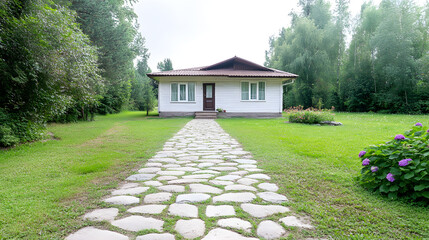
point(227, 95)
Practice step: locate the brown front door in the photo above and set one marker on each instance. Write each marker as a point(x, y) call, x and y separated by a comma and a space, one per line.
point(208, 96)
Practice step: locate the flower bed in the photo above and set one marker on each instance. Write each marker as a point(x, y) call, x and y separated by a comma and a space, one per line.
point(309, 115)
point(399, 168)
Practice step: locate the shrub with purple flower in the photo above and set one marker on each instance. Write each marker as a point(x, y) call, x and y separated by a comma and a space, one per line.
point(374, 169)
point(365, 162)
point(390, 177)
point(399, 168)
point(404, 162)
point(399, 137)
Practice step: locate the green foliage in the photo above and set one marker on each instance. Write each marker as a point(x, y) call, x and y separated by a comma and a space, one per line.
point(7, 138)
point(112, 27)
point(142, 94)
point(165, 65)
point(310, 115)
point(399, 168)
point(47, 67)
point(384, 68)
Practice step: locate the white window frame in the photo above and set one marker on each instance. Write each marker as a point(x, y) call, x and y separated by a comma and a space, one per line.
point(186, 91)
point(257, 91)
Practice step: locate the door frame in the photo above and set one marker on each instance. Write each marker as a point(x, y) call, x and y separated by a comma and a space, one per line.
point(213, 97)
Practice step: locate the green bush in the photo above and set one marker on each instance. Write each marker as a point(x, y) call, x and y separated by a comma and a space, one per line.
point(310, 115)
point(399, 168)
point(7, 138)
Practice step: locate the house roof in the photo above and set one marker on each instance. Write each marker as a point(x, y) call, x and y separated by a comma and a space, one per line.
point(233, 67)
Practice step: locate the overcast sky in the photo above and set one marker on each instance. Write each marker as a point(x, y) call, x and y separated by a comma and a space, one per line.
point(196, 33)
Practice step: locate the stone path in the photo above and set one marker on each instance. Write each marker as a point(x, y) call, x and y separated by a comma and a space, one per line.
point(201, 185)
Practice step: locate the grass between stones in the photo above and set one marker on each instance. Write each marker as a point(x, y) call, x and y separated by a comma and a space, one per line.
point(315, 167)
point(46, 186)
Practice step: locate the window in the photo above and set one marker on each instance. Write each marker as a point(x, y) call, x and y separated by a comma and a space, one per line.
point(191, 91)
point(244, 90)
point(253, 91)
point(182, 92)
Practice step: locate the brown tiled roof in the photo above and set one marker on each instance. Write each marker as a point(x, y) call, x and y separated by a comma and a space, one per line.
point(233, 67)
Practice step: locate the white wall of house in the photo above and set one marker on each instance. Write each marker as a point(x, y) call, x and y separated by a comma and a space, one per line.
point(227, 95)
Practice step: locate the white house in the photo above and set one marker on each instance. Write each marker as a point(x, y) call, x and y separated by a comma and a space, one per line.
point(237, 86)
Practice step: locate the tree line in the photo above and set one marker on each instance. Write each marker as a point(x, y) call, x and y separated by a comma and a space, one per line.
point(66, 60)
point(384, 67)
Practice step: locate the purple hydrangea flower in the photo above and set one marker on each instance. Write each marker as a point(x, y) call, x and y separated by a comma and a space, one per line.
point(399, 137)
point(390, 177)
point(404, 162)
point(427, 131)
point(365, 162)
point(419, 124)
point(362, 153)
point(374, 169)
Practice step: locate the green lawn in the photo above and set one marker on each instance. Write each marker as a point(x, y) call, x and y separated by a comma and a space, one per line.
point(315, 167)
point(46, 186)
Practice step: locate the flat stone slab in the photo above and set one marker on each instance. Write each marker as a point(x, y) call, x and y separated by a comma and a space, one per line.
point(202, 176)
point(150, 170)
point(95, 234)
point(164, 160)
point(172, 188)
point(170, 165)
point(220, 211)
point(270, 230)
point(166, 178)
point(206, 172)
point(192, 197)
point(203, 165)
point(153, 164)
point(130, 185)
point(235, 223)
point(240, 187)
point(186, 181)
point(190, 229)
point(141, 177)
point(138, 223)
point(221, 182)
point(105, 214)
point(272, 197)
point(153, 183)
point(240, 173)
point(183, 210)
point(245, 161)
point(238, 152)
point(235, 197)
point(227, 164)
point(156, 236)
point(186, 169)
point(246, 166)
point(202, 188)
point(148, 209)
point(258, 176)
point(122, 200)
point(228, 178)
point(157, 197)
point(223, 234)
point(130, 191)
point(261, 211)
point(171, 173)
point(294, 222)
point(224, 168)
point(268, 187)
point(247, 181)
